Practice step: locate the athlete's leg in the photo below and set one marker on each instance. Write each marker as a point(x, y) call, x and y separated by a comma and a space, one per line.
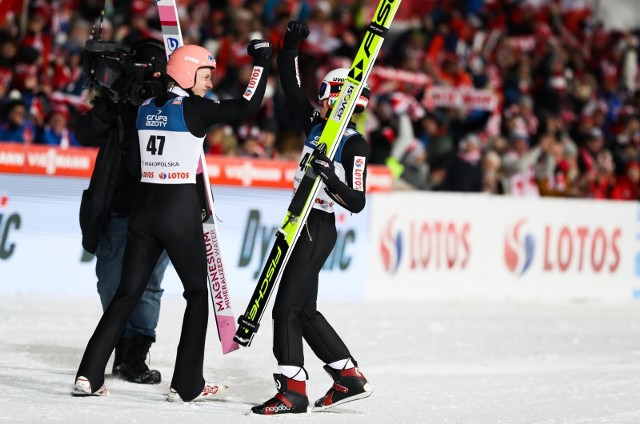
point(299, 282)
point(317, 332)
point(184, 242)
point(141, 254)
point(145, 315)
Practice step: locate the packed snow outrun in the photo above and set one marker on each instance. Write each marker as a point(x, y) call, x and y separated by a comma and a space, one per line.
point(467, 361)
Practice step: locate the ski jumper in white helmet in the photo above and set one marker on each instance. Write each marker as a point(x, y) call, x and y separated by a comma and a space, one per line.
point(295, 314)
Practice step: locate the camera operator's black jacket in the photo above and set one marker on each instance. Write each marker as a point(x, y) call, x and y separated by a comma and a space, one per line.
point(116, 172)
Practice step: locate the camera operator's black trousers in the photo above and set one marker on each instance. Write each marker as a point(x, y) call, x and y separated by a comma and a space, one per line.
point(294, 312)
point(163, 217)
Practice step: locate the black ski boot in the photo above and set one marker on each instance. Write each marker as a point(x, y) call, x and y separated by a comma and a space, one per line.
point(348, 384)
point(134, 367)
point(290, 399)
point(121, 347)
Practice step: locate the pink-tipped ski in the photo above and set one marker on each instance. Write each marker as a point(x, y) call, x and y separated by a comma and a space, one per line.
point(227, 328)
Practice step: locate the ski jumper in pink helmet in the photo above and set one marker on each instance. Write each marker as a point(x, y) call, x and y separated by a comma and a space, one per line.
point(166, 214)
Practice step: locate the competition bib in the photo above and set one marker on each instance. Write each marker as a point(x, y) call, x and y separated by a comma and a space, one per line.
point(168, 151)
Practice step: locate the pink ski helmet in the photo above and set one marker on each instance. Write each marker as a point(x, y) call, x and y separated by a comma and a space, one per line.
point(185, 61)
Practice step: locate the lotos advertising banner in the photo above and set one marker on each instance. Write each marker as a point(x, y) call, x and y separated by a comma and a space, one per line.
point(456, 245)
point(40, 250)
point(577, 248)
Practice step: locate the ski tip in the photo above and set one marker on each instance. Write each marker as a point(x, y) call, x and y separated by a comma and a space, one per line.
point(229, 347)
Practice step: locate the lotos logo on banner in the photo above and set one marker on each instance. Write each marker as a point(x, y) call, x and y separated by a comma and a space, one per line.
point(519, 247)
point(563, 248)
point(431, 245)
point(391, 247)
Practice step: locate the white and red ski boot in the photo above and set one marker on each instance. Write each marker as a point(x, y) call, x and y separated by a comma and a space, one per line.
point(83, 388)
point(210, 391)
point(290, 399)
point(348, 385)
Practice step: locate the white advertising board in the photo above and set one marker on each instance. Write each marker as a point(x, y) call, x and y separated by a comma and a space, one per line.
point(432, 246)
point(40, 240)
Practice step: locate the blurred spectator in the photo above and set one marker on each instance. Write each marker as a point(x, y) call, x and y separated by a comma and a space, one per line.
point(518, 165)
point(559, 176)
point(415, 169)
point(438, 143)
point(491, 173)
point(251, 141)
point(56, 131)
point(221, 141)
point(592, 146)
point(627, 138)
point(14, 123)
point(602, 183)
point(408, 156)
point(464, 170)
point(627, 186)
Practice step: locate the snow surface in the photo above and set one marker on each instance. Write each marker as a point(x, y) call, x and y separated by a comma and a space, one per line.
point(465, 362)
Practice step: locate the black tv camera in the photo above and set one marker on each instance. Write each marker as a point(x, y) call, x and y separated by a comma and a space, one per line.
point(118, 74)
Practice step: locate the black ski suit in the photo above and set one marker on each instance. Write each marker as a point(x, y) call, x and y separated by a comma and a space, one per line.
point(295, 315)
point(168, 216)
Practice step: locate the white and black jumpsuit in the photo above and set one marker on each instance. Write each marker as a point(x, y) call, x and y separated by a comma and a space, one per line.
point(167, 215)
point(295, 315)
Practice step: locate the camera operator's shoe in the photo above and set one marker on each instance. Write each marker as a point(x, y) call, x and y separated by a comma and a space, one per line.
point(348, 385)
point(134, 367)
point(210, 391)
point(83, 388)
point(290, 399)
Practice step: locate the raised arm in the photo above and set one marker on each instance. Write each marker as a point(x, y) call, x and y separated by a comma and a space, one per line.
point(201, 114)
point(295, 97)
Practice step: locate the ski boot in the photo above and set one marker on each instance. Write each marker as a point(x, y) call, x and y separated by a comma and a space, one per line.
point(134, 367)
point(209, 391)
point(83, 388)
point(290, 399)
point(348, 385)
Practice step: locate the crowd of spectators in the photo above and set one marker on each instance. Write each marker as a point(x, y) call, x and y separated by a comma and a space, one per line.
point(565, 121)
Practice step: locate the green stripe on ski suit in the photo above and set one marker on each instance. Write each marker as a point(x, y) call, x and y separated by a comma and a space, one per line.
point(345, 105)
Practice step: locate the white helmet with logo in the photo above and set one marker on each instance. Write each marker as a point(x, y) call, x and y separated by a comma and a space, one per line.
point(332, 84)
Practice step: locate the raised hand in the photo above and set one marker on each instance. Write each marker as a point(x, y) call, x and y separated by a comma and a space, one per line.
point(259, 49)
point(296, 32)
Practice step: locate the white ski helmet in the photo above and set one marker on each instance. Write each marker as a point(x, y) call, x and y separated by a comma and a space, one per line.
point(332, 84)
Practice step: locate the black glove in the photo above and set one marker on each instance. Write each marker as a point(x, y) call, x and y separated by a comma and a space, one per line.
point(259, 49)
point(296, 32)
point(325, 168)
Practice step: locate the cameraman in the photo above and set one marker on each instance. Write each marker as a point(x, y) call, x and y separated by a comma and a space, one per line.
point(106, 204)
